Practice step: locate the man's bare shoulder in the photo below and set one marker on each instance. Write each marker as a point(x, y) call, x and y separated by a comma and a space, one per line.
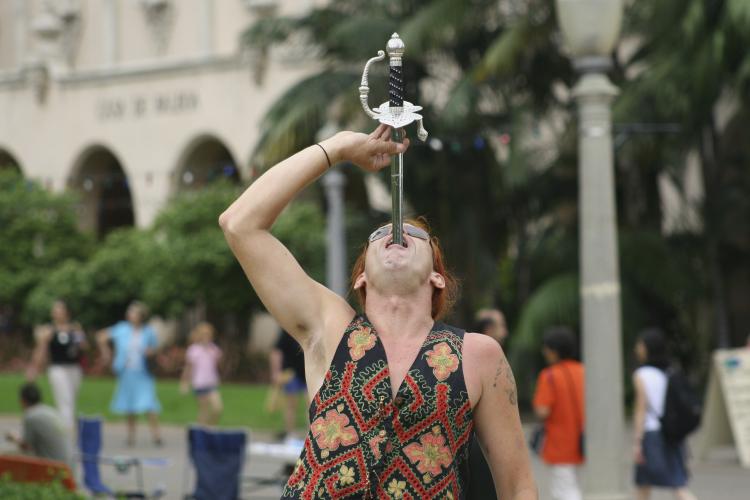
point(480, 348)
point(481, 356)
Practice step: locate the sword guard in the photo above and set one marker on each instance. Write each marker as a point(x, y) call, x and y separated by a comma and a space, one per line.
point(364, 86)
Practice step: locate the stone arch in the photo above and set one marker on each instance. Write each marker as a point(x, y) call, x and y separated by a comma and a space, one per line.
point(9, 160)
point(101, 182)
point(204, 160)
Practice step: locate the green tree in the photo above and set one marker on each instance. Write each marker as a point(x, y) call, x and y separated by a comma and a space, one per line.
point(98, 290)
point(197, 266)
point(179, 263)
point(38, 231)
point(695, 57)
point(690, 56)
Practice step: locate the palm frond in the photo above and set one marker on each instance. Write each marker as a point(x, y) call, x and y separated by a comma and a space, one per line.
point(295, 118)
point(556, 302)
point(433, 23)
point(517, 170)
point(269, 31)
point(358, 38)
point(462, 101)
point(738, 13)
point(651, 266)
point(502, 55)
point(743, 77)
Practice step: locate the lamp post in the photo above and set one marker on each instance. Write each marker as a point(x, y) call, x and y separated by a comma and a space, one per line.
point(590, 29)
point(333, 185)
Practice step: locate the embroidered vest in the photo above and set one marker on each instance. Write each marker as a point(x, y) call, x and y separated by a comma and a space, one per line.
point(363, 444)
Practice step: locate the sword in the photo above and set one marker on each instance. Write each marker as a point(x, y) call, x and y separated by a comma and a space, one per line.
point(396, 113)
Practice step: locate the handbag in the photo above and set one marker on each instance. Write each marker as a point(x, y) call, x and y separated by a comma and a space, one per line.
point(536, 441)
point(151, 363)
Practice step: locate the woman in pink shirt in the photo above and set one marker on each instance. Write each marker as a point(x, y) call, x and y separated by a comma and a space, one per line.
point(200, 373)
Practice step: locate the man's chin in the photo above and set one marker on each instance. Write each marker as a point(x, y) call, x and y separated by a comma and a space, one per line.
point(396, 265)
point(397, 273)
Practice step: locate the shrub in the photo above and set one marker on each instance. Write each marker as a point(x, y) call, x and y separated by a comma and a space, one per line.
point(35, 491)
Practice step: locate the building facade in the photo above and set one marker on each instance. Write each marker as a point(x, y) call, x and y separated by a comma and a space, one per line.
point(128, 102)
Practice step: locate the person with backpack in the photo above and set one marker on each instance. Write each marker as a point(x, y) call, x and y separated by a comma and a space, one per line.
point(659, 456)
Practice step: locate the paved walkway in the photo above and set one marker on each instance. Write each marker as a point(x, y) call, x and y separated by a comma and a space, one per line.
point(720, 478)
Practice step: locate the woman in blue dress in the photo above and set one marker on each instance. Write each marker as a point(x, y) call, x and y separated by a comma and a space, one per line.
point(135, 393)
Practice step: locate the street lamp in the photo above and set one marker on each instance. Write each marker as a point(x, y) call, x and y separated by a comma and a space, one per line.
point(590, 29)
point(333, 185)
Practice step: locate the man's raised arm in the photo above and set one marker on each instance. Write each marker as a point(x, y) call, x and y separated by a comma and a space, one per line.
point(299, 304)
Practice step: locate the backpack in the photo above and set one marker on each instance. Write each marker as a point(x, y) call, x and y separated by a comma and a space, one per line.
point(682, 409)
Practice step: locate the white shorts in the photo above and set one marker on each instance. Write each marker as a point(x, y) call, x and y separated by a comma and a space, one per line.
point(563, 482)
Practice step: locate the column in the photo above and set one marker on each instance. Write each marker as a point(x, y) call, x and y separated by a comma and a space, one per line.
point(111, 32)
point(21, 31)
point(206, 28)
point(600, 292)
point(333, 183)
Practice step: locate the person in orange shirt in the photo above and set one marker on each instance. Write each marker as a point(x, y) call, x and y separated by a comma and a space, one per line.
point(559, 401)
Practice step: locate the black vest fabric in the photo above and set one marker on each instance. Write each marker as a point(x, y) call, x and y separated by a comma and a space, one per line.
point(65, 347)
point(364, 444)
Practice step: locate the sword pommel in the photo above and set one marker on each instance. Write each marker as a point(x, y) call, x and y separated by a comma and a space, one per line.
point(395, 48)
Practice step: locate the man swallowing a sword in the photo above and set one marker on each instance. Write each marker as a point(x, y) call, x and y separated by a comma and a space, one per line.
point(395, 393)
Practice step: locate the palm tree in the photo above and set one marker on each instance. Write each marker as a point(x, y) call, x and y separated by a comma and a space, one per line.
point(694, 55)
point(483, 70)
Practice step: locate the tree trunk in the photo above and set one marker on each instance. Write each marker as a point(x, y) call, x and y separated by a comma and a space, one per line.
point(523, 263)
point(708, 147)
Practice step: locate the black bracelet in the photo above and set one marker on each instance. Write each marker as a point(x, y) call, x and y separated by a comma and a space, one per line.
point(325, 153)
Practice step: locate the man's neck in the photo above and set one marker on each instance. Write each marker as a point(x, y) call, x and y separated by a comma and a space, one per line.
point(402, 316)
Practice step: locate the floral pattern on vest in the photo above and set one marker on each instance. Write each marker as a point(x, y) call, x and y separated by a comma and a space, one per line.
point(364, 444)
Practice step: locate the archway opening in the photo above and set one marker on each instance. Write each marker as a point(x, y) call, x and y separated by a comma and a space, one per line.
point(206, 161)
point(8, 161)
point(105, 199)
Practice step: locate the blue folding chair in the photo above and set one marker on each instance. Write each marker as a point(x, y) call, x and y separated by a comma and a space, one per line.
point(218, 457)
point(90, 446)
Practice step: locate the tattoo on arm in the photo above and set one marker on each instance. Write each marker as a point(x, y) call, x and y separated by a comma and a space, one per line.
point(510, 391)
point(512, 399)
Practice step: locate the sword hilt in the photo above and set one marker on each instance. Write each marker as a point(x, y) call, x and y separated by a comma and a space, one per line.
point(396, 112)
point(395, 49)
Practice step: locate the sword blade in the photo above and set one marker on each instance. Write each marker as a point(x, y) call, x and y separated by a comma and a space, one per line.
point(397, 191)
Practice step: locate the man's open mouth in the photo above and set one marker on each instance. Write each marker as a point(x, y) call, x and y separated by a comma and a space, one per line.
point(390, 242)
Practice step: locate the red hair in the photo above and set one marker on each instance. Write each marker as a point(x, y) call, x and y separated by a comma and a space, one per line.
point(443, 299)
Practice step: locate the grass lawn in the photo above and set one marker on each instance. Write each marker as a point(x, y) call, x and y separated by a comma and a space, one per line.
point(243, 404)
